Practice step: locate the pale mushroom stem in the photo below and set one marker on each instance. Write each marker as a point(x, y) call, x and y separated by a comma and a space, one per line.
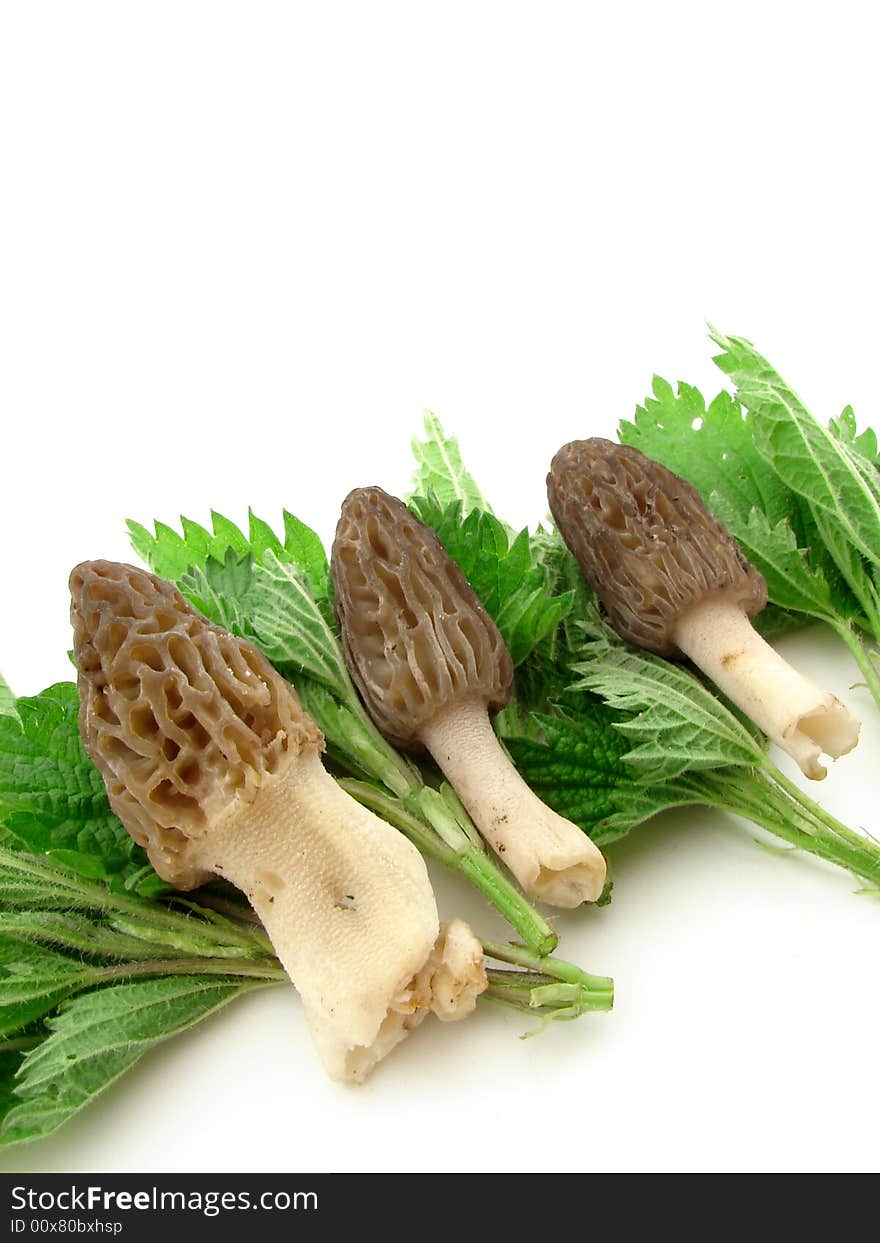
point(347, 906)
point(792, 711)
point(551, 858)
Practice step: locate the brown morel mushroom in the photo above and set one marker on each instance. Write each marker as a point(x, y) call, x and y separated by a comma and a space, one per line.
point(431, 665)
point(673, 580)
point(212, 766)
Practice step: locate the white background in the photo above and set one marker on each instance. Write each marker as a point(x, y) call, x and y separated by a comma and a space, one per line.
point(242, 245)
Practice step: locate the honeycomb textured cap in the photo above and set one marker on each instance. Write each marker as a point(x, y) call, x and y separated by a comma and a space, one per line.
point(416, 637)
point(179, 716)
point(646, 543)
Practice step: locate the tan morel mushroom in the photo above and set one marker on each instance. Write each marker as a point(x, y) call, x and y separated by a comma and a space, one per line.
point(212, 766)
point(674, 581)
point(431, 665)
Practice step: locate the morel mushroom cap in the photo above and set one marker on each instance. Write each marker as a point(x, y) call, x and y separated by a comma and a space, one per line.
point(646, 543)
point(178, 715)
point(416, 637)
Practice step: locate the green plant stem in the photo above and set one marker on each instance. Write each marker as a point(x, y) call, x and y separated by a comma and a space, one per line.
point(136, 913)
point(456, 850)
point(548, 986)
point(271, 971)
point(768, 798)
point(508, 901)
point(862, 658)
point(226, 906)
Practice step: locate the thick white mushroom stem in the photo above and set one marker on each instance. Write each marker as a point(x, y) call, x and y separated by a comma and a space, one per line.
point(791, 710)
point(448, 985)
point(344, 898)
point(551, 858)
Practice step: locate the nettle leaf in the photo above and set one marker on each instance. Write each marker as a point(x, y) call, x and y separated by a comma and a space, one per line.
point(576, 766)
point(213, 570)
point(292, 629)
point(791, 583)
point(96, 1037)
point(860, 578)
point(167, 553)
point(304, 549)
point(33, 980)
point(7, 700)
point(503, 570)
point(441, 470)
point(714, 449)
point(221, 591)
point(636, 802)
point(808, 457)
point(674, 722)
point(170, 554)
point(863, 443)
point(710, 446)
point(52, 798)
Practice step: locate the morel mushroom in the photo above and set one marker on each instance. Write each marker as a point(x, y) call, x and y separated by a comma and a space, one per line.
point(213, 766)
point(674, 581)
point(431, 665)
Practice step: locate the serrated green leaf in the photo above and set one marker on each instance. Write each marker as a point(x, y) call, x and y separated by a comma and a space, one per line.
point(212, 568)
point(710, 446)
point(165, 551)
point(198, 540)
point(440, 469)
point(7, 700)
point(635, 803)
point(577, 766)
point(303, 547)
point(806, 456)
point(505, 574)
point(227, 538)
point(33, 980)
point(291, 628)
point(791, 583)
point(863, 443)
point(675, 723)
point(261, 537)
point(96, 1037)
point(52, 798)
point(714, 449)
point(220, 591)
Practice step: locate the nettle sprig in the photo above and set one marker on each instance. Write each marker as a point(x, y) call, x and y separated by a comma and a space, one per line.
point(803, 500)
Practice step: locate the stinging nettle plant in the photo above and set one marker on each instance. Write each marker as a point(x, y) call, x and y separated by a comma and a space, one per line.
point(802, 500)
